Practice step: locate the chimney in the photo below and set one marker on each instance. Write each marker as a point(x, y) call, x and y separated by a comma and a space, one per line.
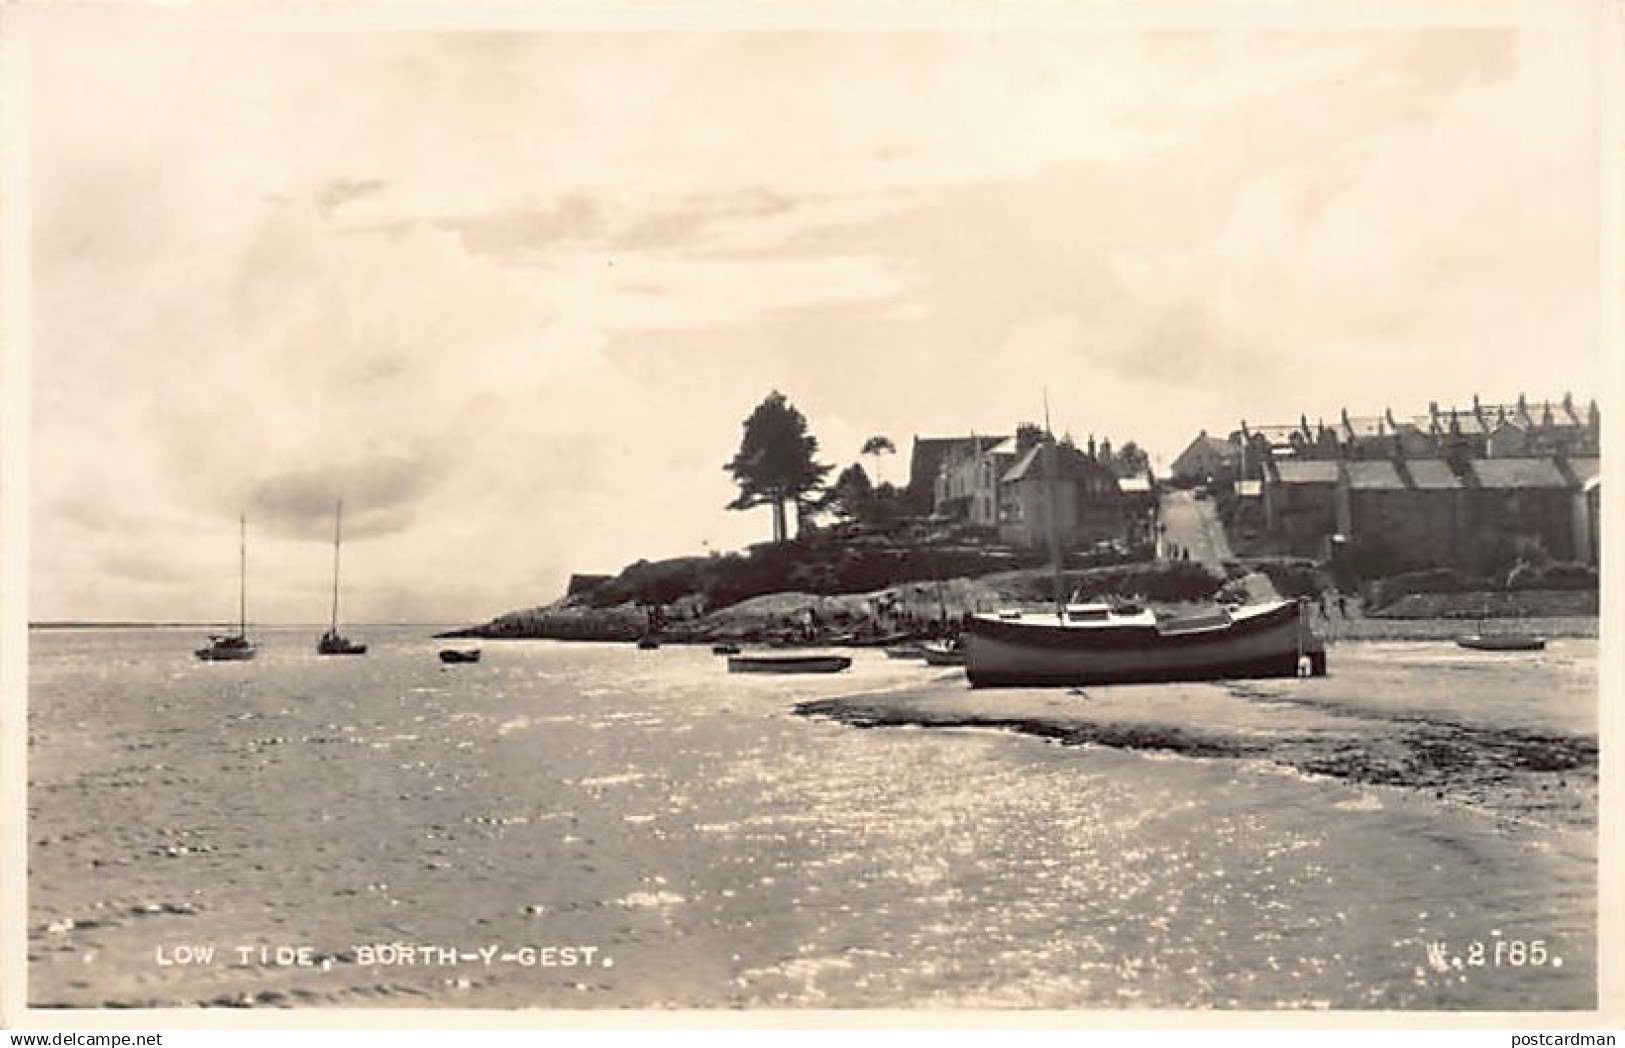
point(1303, 421)
point(1388, 413)
point(1433, 409)
point(1593, 416)
point(1345, 417)
point(1106, 450)
point(1568, 402)
point(1091, 445)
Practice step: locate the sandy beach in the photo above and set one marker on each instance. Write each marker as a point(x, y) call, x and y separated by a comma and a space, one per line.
point(1481, 746)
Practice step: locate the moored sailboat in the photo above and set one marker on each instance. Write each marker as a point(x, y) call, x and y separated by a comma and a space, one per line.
point(332, 642)
point(234, 647)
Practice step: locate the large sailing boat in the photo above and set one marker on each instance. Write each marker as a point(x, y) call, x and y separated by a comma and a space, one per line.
point(331, 642)
point(234, 647)
point(1105, 644)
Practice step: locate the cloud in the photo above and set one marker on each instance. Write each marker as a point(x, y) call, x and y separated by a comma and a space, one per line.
point(526, 229)
point(682, 226)
point(341, 191)
point(494, 336)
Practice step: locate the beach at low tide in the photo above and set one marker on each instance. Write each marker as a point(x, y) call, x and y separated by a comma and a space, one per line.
point(592, 826)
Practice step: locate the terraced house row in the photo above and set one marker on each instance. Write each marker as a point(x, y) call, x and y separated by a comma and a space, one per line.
point(1473, 487)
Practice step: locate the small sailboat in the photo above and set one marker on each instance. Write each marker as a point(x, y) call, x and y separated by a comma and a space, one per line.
point(454, 655)
point(234, 647)
point(332, 642)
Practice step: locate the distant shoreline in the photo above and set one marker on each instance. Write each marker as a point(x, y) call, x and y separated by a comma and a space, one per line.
point(75, 624)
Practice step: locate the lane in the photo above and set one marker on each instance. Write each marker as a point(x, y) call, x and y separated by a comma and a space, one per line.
point(1193, 524)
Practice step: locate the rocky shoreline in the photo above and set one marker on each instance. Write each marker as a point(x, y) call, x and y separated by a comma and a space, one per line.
point(1517, 772)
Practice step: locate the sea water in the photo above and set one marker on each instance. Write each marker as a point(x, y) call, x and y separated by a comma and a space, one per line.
point(593, 826)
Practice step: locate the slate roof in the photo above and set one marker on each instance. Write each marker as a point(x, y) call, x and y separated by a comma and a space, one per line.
point(1277, 436)
point(1432, 475)
point(1518, 473)
point(1307, 471)
point(1375, 475)
point(1072, 462)
point(1365, 426)
point(1586, 469)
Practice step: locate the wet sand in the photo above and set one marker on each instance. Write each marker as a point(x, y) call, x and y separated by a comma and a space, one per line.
point(1540, 769)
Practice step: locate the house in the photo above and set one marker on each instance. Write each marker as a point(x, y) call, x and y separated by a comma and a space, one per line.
point(1207, 457)
point(1483, 430)
point(1418, 509)
point(1300, 503)
point(1518, 501)
point(925, 465)
point(1586, 475)
point(969, 478)
point(1080, 490)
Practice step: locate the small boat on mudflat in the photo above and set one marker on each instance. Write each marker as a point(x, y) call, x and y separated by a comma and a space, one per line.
point(725, 648)
point(647, 644)
point(942, 655)
point(1502, 642)
point(456, 655)
point(788, 663)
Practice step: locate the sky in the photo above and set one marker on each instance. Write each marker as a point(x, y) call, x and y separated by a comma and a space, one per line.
point(511, 294)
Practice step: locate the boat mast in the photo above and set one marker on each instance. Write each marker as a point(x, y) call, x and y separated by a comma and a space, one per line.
point(1051, 481)
point(338, 522)
point(242, 575)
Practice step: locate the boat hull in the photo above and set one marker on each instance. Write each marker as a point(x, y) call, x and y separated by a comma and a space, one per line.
point(334, 645)
point(942, 657)
point(226, 653)
point(1271, 643)
point(459, 656)
point(1493, 643)
point(788, 664)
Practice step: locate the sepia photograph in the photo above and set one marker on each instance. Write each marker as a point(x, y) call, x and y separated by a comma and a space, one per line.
point(1017, 509)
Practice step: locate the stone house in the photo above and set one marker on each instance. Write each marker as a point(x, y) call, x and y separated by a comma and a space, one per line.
point(1206, 458)
point(1300, 503)
point(969, 479)
point(1088, 502)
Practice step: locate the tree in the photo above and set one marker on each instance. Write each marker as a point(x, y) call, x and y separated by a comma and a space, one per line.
point(775, 461)
point(877, 446)
point(851, 494)
point(1130, 460)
